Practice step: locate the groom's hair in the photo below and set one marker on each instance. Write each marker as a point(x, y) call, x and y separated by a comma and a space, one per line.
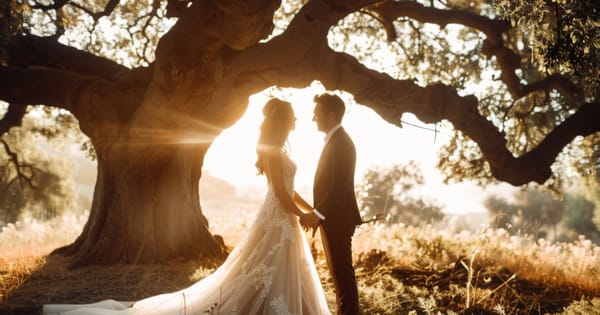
point(331, 103)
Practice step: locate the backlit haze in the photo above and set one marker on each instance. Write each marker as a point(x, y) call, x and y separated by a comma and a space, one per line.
point(378, 143)
point(232, 156)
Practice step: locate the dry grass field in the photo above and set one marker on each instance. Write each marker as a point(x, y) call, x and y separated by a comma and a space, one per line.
point(400, 269)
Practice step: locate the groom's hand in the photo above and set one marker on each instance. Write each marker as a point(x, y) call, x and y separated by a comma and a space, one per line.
point(304, 225)
point(311, 220)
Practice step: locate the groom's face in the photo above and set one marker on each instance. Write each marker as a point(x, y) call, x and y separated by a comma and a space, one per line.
point(322, 118)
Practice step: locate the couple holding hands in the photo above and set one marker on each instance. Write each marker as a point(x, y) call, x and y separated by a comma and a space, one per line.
point(271, 270)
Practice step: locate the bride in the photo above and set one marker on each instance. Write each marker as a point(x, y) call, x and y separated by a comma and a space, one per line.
point(270, 271)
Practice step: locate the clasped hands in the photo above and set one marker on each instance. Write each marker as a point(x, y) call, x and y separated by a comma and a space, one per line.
point(309, 221)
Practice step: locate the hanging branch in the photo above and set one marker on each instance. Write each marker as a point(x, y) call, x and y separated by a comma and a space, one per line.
point(19, 168)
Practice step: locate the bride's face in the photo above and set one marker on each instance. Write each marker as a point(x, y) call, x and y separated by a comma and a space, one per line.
point(290, 121)
point(293, 123)
point(287, 125)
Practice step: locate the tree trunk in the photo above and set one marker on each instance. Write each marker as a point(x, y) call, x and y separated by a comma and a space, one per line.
point(146, 207)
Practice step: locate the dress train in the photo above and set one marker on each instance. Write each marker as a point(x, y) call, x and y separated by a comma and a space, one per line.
point(271, 271)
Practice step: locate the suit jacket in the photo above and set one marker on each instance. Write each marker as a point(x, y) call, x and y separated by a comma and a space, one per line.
point(333, 189)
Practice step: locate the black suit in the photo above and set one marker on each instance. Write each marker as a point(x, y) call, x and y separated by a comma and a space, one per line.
point(334, 197)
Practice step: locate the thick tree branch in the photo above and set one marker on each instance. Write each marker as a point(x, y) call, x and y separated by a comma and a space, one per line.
point(98, 104)
point(583, 123)
point(94, 89)
point(35, 51)
point(389, 11)
point(189, 77)
point(40, 86)
point(390, 98)
point(260, 66)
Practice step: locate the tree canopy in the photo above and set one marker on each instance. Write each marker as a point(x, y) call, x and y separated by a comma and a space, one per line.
point(517, 80)
point(389, 194)
point(533, 211)
point(532, 66)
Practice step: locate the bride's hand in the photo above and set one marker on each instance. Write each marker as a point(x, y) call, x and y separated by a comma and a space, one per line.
point(301, 217)
point(309, 220)
point(304, 221)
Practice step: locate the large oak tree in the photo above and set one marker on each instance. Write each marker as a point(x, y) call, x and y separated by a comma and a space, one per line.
point(153, 82)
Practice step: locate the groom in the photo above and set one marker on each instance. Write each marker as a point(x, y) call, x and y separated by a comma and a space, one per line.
point(335, 209)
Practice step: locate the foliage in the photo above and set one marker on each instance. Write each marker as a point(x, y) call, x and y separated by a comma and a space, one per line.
point(534, 212)
point(412, 52)
point(388, 193)
point(538, 208)
point(35, 182)
point(128, 34)
point(460, 158)
point(583, 306)
point(551, 37)
point(11, 20)
point(501, 211)
point(578, 217)
point(565, 36)
point(588, 162)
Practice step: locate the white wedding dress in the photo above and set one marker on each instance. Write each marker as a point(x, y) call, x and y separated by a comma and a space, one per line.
point(270, 271)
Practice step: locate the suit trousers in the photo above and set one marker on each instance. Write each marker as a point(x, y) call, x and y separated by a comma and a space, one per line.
point(338, 251)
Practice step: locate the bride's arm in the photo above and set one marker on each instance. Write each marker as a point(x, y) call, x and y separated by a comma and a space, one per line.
point(274, 172)
point(301, 202)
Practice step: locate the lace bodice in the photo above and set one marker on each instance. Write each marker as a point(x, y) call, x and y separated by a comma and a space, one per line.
point(271, 201)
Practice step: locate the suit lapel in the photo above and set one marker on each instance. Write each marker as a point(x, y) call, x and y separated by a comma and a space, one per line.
point(321, 164)
point(327, 150)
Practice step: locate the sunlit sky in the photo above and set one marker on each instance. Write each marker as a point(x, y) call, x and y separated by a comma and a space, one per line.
point(378, 143)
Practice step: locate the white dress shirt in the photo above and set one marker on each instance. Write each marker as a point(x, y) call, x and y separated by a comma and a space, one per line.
point(331, 132)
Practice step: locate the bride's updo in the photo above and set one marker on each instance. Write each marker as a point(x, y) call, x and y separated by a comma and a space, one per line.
point(278, 119)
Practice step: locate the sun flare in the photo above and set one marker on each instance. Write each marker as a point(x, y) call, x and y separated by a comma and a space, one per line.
point(378, 143)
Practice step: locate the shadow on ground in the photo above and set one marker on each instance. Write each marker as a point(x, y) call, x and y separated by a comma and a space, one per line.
point(52, 282)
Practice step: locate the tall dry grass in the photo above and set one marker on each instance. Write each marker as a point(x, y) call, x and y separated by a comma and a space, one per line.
point(24, 245)
point(487, 271)
point(400, 269)
point(555, 263)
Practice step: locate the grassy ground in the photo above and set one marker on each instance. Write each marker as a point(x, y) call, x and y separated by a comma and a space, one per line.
point(400, 270)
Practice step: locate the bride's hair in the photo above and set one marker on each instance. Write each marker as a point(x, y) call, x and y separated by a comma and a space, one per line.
point(278, 117)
